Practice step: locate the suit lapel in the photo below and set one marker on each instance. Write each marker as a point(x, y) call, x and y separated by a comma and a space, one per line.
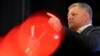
point(86, 31)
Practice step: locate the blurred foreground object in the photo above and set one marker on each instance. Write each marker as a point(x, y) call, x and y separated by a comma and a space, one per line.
point(39, 35)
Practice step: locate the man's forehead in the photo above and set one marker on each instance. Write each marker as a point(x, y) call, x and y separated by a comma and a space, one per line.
point(75, 9)
point(72, 10)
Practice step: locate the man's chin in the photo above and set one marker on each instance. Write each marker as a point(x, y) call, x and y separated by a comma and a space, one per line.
point(72, 28)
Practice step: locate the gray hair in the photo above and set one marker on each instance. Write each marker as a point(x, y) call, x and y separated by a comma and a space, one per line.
point(82, 5)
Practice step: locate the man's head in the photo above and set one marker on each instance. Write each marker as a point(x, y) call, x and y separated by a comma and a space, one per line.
point(79, 14)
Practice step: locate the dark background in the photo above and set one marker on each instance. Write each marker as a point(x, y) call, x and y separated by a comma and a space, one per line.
point(14, 12)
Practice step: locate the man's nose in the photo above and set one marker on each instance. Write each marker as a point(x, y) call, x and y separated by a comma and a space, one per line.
point(69, 17)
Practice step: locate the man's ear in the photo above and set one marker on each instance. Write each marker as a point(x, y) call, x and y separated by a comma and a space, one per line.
point(86, 17)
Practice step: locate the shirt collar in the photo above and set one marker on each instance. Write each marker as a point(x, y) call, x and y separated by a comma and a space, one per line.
point(83, 27)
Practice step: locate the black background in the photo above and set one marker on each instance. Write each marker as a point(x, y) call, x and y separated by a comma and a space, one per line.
point(14, 12)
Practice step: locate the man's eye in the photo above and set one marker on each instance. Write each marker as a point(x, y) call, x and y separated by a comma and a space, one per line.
point(73, 14)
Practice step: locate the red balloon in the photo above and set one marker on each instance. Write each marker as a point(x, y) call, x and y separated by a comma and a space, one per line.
point(37, 37)
point(34, 37)
point(10, 44)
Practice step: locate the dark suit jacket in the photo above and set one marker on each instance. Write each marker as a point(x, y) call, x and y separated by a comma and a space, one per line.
point(85, 44)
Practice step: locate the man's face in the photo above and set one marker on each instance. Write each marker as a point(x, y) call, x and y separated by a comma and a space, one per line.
point(76, 17)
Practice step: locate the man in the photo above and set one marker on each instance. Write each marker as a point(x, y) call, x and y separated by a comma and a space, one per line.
point(80, 20)
point(82, 38)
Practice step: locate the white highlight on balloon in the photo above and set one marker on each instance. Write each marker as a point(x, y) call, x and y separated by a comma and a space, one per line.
point(56, 37)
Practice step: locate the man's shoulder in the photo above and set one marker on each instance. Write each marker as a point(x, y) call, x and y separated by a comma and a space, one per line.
point(97, 27)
